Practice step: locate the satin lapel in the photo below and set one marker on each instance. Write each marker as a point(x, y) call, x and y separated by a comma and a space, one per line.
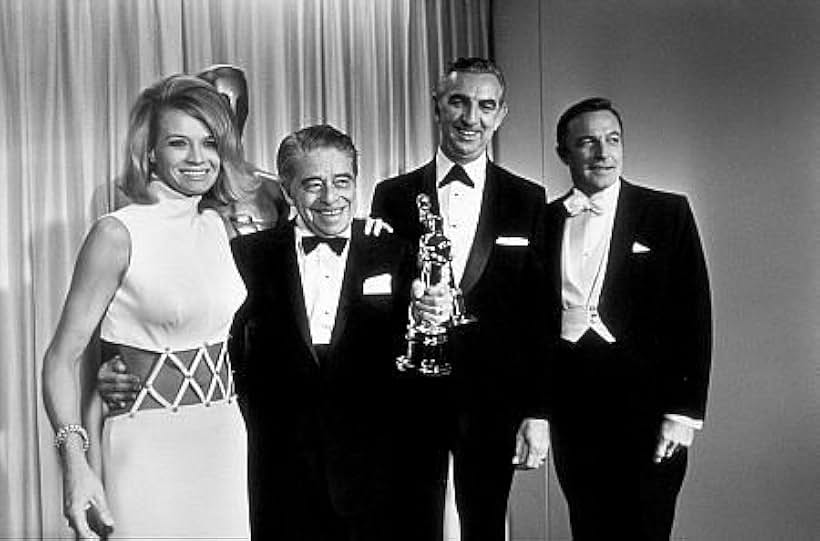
point(623, 229)
point(484, 232)
point(428, 186)
point(555, 245)
point(351, 281)
point(295, 294)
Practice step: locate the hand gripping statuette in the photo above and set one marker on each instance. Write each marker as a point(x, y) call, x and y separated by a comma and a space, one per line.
point(427, 341)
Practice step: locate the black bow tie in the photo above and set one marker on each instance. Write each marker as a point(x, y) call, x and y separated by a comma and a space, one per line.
point(337, 244)
point(456, 173)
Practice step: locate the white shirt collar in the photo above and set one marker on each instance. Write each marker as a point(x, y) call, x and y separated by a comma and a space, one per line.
point(607, 198)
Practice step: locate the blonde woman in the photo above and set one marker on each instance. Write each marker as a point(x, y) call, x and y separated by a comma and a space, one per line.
point(158, 278)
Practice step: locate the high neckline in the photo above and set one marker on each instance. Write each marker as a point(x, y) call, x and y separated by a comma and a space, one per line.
point(163, 192)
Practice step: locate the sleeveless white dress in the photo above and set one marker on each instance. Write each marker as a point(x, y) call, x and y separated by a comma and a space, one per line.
point(178, 471)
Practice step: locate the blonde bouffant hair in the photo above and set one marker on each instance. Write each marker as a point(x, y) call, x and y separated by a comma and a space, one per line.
point(197, 98)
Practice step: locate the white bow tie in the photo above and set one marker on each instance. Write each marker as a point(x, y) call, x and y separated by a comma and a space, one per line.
point(578, 203)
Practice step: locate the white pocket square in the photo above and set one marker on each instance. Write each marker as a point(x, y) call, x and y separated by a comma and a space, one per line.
point(512, 241)
point(638, 248)
point(377, 285)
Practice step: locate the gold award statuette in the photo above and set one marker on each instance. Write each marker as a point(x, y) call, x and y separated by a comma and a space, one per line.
point(427, 341)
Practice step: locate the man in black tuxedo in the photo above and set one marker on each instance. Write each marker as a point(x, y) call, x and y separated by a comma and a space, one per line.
point(315, 346)
point(489, 215)
point(630, 328)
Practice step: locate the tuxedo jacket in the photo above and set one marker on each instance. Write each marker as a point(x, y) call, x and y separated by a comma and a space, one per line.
point(492, 355)
point(328, 420)
point(655, 297)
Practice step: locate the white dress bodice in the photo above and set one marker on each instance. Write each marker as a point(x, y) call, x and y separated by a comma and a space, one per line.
point(181, 288)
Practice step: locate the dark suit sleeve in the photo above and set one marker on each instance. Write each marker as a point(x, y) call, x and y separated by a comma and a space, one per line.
point(405, 273)
point(536, 397)
point(690, 331)
point(535, 391)
point(384, 204)
point(378, 203)
point(394, 202)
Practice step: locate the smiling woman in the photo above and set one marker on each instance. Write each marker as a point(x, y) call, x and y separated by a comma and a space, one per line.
point(185, 154)
point(146, 276)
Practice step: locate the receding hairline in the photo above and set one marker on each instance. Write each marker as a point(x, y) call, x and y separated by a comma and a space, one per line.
point(448, 80)
point(314, 137)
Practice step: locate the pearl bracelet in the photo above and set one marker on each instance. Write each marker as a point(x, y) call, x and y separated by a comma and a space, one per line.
point(67, 430)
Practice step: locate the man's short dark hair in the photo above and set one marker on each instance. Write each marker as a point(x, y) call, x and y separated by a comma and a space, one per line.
point(588, 105)
point(472, 64)
point(308, 139)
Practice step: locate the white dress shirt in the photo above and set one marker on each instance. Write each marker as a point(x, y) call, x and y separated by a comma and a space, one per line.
point(460, 206)
point(584, 258)
point(322, 272)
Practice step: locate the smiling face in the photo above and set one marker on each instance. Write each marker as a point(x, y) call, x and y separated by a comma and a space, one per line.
point(185, 156)
point(468, 112)
point(322, 187)
point(593, 150)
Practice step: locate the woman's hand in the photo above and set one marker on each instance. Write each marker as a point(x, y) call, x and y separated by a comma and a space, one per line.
point(85, 505)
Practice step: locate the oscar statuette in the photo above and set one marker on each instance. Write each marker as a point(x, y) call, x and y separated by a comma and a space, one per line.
point(426, 353)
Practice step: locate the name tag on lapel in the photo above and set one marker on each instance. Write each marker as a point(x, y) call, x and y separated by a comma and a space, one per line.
point(512, 241)
point(377, 285)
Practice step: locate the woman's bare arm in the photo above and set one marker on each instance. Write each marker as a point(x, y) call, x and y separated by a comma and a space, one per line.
point(100, 266)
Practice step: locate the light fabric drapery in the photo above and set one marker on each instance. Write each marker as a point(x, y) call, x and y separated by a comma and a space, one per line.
point(69, 72)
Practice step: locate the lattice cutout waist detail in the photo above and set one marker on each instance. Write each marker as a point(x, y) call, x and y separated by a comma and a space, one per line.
point(218, 373)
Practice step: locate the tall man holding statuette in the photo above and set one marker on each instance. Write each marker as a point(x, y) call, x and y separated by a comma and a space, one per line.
point(631, 333)
point(478, 412)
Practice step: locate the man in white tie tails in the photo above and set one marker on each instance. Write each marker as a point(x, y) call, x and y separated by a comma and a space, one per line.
point(630, 335)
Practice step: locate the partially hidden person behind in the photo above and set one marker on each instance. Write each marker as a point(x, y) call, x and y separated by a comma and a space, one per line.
point(262, 205)
point(630, 330)
point(158, 278)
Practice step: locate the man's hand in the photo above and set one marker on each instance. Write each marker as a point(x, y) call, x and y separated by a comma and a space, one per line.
point(673, 435)
point(532, 442)
point(116, 386)
point(433, 305)
point(375, 226)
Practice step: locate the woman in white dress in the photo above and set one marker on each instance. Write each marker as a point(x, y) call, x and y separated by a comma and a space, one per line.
point(158, 278)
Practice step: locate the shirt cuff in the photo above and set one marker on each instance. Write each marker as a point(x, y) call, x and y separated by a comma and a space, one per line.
point(696, 424)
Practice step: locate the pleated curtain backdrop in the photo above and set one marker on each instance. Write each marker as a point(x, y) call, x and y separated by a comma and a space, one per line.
point(69, 72)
